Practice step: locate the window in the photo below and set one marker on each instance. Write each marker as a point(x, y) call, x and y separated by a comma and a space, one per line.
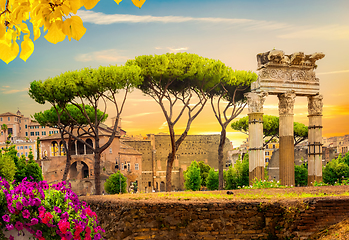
point(17, 147)
point(55, 131)
point(149, 184)
point(43, 127)
point(267, 146)
point(122, 166)
point(43, 133)
point(37, 127)
point(25, 147)
point(26, 126)
point(136, 166)
point(273, 145)
point(18, 155)
point(8, 119)
point(21, 147)
point(128, 166)
point(26, 134)
point(9, 131)
point(110, 150)
point(266, 153)
point(26, 154)
point(37, 133)
point(267, 160)
point(50, 132)
point(31, 127)
point(31, 133)
point(1, 119)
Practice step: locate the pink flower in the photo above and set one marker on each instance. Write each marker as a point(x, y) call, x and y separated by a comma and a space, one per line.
point(26, 213)
point(19, 226)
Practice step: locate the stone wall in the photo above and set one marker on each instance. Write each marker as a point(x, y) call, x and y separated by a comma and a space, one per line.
point(293, 219)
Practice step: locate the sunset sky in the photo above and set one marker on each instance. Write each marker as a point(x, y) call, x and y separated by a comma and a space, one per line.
point(231, 31)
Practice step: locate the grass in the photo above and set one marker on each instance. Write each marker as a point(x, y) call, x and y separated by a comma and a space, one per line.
point(239, 195)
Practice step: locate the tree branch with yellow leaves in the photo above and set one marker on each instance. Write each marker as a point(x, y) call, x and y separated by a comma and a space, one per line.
point(57, 18)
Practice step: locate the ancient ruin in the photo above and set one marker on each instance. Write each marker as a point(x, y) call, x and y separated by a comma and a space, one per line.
point(286, 76)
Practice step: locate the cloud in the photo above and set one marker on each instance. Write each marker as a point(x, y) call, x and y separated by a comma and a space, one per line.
point(330, 32)
point(5, 91)
point(163, 126)
point(139, 115)
point(106, 56)
point(175, 50)
point(5, 86)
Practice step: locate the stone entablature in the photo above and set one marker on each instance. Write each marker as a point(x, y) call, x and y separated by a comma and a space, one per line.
point(279, 73)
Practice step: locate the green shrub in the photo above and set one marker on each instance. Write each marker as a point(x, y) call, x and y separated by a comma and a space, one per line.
point(237, 176)
point(212, 180)
point(335, 171)
point(204, 169)
point(192, 177)
point(301, 175)
point(112, 185)
point(7, 167)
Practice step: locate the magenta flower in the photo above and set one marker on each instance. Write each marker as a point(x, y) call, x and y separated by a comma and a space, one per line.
point(9, 227)
point(57, 209)
point(6, 218)
point(26, 213)
point(34, 221)
point(11, 237)
point(19, 206)
point(38, 234)
point(19, 226)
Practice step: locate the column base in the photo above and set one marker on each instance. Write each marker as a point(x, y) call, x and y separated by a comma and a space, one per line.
point(258, 173)
point(313, 178)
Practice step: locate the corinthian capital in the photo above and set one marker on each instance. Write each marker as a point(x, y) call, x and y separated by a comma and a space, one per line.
point(255, 101)
point(315, 105)
point(286, 103)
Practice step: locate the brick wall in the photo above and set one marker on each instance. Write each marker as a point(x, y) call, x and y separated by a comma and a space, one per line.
point(293, 219)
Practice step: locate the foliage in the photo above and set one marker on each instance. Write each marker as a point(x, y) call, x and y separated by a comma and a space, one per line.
point(112, 185)
point(271, 128)
point(99, 88)
point(58, 18)
point(319, 184)
point(258, 184)
point(21, 169)
point(301, 175)
point(180, 84)
point(204, 170)
point(335, 171)
point(212, 180)
point(33, 171)
point(7, 167)
point(238, 176)
point(192, 178)
point(346, 158)
point(227, 102)
point(266, 172)
point(47, 212)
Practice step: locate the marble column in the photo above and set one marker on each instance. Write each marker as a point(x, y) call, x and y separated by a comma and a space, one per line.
point(255, 138)
point(286, 139)
point(315, 139)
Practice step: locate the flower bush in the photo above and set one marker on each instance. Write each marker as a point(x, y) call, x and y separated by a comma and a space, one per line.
point(46, 211)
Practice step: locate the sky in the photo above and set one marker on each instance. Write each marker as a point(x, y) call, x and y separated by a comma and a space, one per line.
point(229, 30)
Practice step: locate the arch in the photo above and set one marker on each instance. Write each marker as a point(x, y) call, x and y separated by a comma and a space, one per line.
point(54, 148)
point(73, 172)
point(89, 150)
point(62, 149)
point(157, 187)
point(72, 148)
point(81, 148)
point(162, 186)
point(85, 170)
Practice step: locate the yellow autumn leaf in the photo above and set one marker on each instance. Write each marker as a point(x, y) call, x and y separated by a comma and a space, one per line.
point(66, 28)
point(8, 52)
point(117, 1)
point(89, 4)
point(2, 30)
point(75, 5)
point(54, 34)
point(27, 48)
point(37, 31)
point(138, 3)
point(77, 28)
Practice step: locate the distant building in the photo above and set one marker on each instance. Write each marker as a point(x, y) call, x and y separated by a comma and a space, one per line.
point(22, 128)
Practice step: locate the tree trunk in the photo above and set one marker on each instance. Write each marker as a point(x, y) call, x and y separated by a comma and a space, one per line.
point(67, 164)
point(220, 157)
point(98, 172)
point(169, 166)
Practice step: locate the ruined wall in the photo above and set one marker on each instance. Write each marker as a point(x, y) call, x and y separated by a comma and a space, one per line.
point(293, 219)
point(157, 148)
